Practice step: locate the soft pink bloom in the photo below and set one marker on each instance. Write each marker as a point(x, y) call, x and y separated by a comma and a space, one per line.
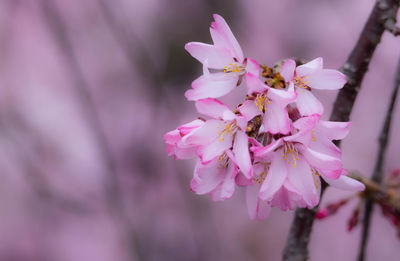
point(216, 177)
point(224, 132)
point(225, 56)
point(269, 102)
point(310, 76)
point(173, 139)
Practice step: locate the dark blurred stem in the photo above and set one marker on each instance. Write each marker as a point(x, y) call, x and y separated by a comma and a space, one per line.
point(378, 173)
point(355, 68)
point(59, 31)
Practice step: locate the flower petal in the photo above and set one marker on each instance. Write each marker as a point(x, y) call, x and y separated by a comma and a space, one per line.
point(249, 110)
point(223, 36)
point(287, 70)
point(276, 119)
point(307, 103)
point(252, 200)
point(281, 97)
point(227, 187)
point(206, 178)
point(326, 79)
point(261, 152)
point(212, 86)
point(345, 183)
point(204, 134)
point(214, 149)
point(211, 107)
point(216, 56)
point(309, 67)
point(253, 67)
point(242, 154)
point(189, 127)
point(334, 130)
point(276, 176)
point(254, 84)
point(319, 160)
point(301, 177)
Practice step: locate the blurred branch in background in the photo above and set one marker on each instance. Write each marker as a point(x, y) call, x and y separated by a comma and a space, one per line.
point(60, 33)
point(355, 68)
point(377, 174)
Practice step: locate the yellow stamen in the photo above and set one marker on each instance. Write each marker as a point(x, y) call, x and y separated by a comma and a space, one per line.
point(291, 150)
point(234, 68)
point(261, 102)
point(229, 129)
point(313, 135)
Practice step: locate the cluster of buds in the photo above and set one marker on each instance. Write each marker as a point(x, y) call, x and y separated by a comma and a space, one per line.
point(274, 143)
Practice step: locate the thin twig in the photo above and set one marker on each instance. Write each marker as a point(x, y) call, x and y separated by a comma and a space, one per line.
point(378, 173)
point(355, 68)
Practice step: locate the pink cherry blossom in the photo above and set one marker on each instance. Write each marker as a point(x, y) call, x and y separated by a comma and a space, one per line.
point(225, 57)
point(269, 102)
point(173, 139)
point(224, 132)
point(310, 76)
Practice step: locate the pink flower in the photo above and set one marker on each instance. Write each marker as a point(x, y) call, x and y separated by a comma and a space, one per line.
point(224, 133)
point(310, 76)
point(173, 139)
point(225, 56)
point(216, 177)
point(269, 102)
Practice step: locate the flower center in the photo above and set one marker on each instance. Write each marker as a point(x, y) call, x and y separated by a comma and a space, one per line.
point(301, 83)
point(316, 176)
point(223, 161)
point(261, 102)
point(290, 154)
point(229, 129)
point(234, 68)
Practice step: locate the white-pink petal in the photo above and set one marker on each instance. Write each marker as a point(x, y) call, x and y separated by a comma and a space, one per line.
point(249, 110)
point(206, 178)
point(211, 107)
point(223, 36)
point(287, 70)
point(309, 67)
point(276, 119)
point(254, 84)
point(204, 134)
point(301, 177)
point(212, 86)
point(216, 56)
point(214, 149)
point(242, 154)
point(307, 103)
point(345, 183)
point(276, 176)
point(334, 130)
point(326, 79)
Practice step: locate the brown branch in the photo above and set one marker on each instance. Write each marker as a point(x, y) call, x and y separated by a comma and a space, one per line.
point(378, 173)
point(355, 68)
point(378, 193)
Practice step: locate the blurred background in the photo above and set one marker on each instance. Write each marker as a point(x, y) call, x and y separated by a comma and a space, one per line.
point(88, 88)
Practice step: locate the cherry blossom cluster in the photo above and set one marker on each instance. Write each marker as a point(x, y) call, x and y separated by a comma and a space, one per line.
point(274, 143)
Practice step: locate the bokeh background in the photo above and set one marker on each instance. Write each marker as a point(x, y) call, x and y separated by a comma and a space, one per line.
point(88, 88)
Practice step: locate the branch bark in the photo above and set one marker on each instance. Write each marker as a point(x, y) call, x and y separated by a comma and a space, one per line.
point(355, 68)
point(378, 172)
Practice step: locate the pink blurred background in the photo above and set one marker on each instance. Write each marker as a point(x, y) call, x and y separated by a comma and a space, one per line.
point(88, 88)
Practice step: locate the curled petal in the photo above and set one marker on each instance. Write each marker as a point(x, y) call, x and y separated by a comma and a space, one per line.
point(216, 56)
point(223, 36)
point(206, 178)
